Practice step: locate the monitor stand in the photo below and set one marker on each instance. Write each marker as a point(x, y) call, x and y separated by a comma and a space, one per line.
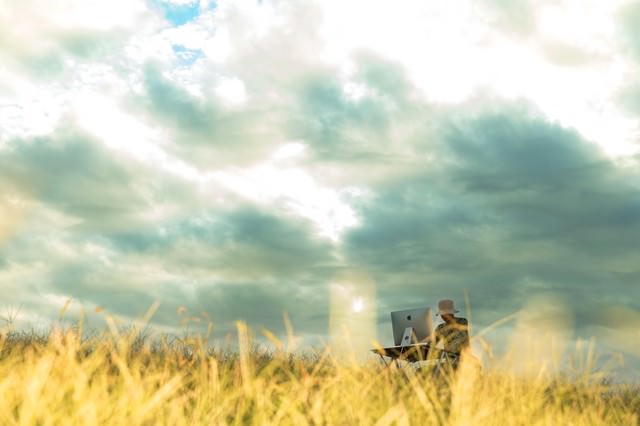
point(408, 338)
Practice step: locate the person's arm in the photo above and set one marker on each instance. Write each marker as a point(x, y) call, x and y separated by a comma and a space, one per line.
point(438, 340)
point(465, 330)
point(460, 338)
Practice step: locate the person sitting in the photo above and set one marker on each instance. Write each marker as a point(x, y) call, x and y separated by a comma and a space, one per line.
point(453, 333)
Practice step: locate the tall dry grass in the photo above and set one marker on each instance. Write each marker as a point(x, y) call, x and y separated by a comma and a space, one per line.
point(127, 379)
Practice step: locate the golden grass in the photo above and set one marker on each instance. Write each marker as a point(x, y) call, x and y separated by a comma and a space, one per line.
point(126, 380)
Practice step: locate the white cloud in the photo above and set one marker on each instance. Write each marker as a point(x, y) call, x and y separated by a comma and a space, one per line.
point(101, 116)
point(181, 2)
point(232, 91)
point(354, 91)
point(192, 35)
point(41, 21)
point(295, 190)
point(587, 24)
point(290, 150)
point(218, 48)
point(30, 109)
point(270, 183)
point(450, 50)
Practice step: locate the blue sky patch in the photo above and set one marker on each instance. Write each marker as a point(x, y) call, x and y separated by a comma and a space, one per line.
point(178, 14)
point(185, 55)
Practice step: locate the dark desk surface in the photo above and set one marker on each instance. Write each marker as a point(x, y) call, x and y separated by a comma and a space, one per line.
point(411, 353)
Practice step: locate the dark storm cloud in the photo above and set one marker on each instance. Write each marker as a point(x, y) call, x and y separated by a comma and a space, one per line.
point(76, 193)
point(72, 172)
point(242, 264)
point(109, 287)
point(114, 257)
point(206, 132)
point(129, 288)
point(384, 133)
point(333, 123)
point(265, 304)
point(248, 264)
point(241, 243)
point(517, 206)
point(545, 182)
point(340, 127)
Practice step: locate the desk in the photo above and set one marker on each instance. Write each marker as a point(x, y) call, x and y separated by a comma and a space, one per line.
point(414, 353)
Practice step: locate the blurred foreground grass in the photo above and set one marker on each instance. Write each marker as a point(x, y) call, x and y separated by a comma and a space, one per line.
point(126, 379)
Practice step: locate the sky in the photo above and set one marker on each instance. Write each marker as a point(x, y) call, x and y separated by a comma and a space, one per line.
point(330, 160)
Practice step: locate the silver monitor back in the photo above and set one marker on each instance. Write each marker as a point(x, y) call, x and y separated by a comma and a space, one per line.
point(420, 319)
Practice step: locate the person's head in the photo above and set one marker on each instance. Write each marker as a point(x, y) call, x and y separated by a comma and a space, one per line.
point(446, 310)
point(448, 318)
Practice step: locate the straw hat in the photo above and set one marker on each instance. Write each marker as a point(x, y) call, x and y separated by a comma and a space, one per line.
point(445, 306)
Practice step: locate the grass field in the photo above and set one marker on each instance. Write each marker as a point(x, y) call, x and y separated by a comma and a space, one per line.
point(128, 380)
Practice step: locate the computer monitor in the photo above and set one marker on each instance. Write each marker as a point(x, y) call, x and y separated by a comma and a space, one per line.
point(419, 319)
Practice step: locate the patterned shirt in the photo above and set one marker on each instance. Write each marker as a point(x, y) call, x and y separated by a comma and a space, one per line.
point(454, 336)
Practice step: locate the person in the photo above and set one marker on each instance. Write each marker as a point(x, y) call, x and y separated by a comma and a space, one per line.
point(453, 332)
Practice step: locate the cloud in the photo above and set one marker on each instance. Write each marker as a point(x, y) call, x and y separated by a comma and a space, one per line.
point(206, 131)
point(515, 16)
point(241, 265)
point(242, 243)
point(566, 54)
point(264, 305)
point(176, 104)
point(72, 172)
point(237, 159)
point(628, 96)
point(54, 35)
point(118, 233)
point(339, 125)
point(516, 205)
point(546, 178)
point(629, 19)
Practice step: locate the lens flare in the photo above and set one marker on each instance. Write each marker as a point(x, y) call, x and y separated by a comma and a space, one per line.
point(357, 305)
